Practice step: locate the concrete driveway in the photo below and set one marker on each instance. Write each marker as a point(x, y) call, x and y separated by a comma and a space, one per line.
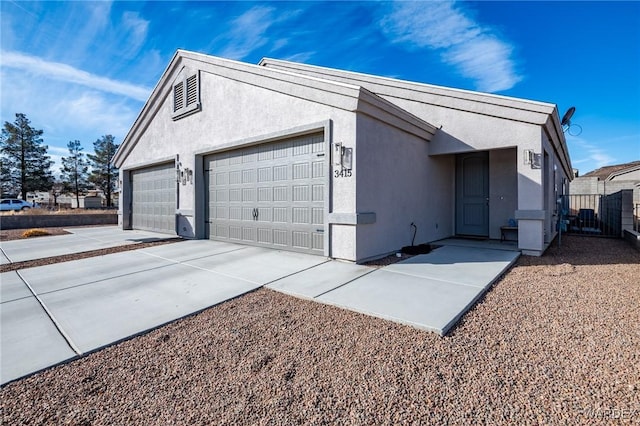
point(54, 313)
point(79, 240)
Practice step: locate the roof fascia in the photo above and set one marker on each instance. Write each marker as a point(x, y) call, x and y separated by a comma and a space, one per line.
point(623, 171)
point(517, 109)
point(380, 109)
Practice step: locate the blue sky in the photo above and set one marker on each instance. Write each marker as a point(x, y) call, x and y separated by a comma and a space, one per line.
point(80, 70)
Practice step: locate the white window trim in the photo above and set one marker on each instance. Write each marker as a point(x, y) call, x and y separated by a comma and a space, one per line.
point(185, 110)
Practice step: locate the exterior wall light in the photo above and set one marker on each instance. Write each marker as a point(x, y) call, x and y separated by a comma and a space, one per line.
point(342, 156)
point(533, 159)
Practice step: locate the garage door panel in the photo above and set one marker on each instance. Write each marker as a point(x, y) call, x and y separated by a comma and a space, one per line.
point(248, 234)
point(281, 214)
point(317, 169)
point(264, 214)
point(300, 193)
point(235, 233)
point(264, 174)
point(247, 213)
point(275, 194)
point(300, 215)
point(264, 194)
point(265, 235)
point(280, 194)
point(235, 213)
point(280, 173)
point(281, 237)
point(301, 171)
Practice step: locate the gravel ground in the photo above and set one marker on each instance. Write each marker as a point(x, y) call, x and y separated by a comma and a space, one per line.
point(556, 341)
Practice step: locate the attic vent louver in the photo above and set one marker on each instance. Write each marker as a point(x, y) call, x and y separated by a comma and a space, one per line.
point(192, 90)
point(186, 103)
point(178, 97)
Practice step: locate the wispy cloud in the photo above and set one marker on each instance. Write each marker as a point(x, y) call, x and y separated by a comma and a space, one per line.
point(476, 51)
point(251, 31)
point(65, 111)
point(299, 57)
point(66, 73)
point(588, 154)
point(135, 30)
point(248, 32)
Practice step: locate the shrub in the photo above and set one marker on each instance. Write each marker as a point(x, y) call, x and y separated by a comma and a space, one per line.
point(35, 233)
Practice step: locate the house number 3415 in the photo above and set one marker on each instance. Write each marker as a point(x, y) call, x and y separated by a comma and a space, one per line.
point(344, 173)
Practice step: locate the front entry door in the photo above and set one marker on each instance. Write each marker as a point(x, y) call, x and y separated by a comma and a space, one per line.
point(472, 194)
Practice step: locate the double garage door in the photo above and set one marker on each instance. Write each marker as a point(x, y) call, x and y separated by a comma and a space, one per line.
point(270, 195)
point(154, 198)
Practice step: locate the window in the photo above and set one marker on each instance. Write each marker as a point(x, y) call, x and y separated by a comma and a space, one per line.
point(186, 96)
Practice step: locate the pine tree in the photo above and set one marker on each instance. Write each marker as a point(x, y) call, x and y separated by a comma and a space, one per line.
point(74, 169)
point(25, 165)
point(104, 174)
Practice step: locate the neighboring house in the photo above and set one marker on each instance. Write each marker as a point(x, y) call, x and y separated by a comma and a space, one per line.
point(609, 179)
point(335, 163)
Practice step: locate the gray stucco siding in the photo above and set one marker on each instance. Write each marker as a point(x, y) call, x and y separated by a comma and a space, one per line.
point(503, 189)
point(398, 181)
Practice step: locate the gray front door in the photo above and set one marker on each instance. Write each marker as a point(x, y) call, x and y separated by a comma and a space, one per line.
point(472, 194)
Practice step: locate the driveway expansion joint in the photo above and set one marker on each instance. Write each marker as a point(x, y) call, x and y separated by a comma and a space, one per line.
point(56, 324)
point(294, 273)
point(343, 284)
point(5, 255)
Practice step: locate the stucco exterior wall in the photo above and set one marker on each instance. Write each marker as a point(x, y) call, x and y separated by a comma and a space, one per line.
point(398, 181)
point(503, 189)
point(462, 131)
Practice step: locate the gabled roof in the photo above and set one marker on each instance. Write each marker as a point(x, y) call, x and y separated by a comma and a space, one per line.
point(509, 108)
point(482, 103)
point(609, 172)
point(345, 96)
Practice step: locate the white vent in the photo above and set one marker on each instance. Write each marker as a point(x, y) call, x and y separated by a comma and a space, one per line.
point(186, 96)
point(178, 97)
point(192, 90)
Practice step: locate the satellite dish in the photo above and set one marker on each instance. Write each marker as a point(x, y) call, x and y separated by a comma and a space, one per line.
point(566, 123)
point(566, 119)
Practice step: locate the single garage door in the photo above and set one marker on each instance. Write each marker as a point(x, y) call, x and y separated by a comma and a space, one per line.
point(154, 198)
point(270, 195)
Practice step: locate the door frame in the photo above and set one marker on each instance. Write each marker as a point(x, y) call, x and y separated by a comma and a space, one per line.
point(201, 186)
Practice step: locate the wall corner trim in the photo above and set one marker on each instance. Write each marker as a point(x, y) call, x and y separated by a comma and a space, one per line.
point(364, 218)
point(530, 214)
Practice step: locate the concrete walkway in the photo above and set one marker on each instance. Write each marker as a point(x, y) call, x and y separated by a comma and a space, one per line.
point(79, 240)
point(54, 313)
point(430, 291)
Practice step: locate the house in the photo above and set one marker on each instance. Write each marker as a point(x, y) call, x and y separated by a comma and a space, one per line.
point(336, 163)
point(609, 179)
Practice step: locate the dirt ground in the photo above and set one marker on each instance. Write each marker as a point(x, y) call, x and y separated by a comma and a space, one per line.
point(16, 234)
point(555, 341)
